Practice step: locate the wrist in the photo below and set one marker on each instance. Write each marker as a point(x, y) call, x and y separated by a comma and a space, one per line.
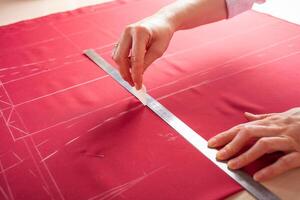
point(171, 17)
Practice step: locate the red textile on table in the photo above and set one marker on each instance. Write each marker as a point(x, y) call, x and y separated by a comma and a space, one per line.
point(68, 131)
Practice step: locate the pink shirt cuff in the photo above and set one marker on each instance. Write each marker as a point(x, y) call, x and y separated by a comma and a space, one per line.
point(235, 7)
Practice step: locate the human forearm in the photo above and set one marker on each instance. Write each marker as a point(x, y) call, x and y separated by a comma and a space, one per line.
point(147, 40)
point(185, 14)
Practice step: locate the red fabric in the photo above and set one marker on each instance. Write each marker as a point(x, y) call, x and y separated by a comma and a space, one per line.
point(68, 131)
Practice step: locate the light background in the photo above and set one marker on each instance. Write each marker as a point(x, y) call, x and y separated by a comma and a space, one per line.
point(16, 10)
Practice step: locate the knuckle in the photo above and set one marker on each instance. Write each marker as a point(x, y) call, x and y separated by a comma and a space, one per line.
point(135, 29)
point(265, 144)
point(280, 129)
point(128, 29)
point(220, 135)
point(138, 62)
point(228, 148)
point(288, 119)
point(138, 29)
point(271, 171)
point(246, 132)
point(239, 127)
point(243, 158)
point(274, 117)
point(286, 162)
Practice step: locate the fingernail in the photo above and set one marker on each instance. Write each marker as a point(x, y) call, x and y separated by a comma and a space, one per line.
point(247, 113)
point(212, 142)
point(256, 177)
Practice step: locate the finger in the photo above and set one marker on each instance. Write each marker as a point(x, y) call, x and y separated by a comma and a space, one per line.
point(244, 136)
point(223, 138)
point(153, 53)
point(121, 54)
point(283, 164)
point(262, 146)
point(139, 43)
point(253, 117)
point(125, 71)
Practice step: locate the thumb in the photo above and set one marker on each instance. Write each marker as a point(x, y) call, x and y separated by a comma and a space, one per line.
point(253, 117)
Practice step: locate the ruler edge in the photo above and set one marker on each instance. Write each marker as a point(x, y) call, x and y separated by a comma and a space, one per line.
point(254, 188)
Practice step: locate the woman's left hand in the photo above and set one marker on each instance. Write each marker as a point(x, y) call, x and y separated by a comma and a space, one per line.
point(272, 132)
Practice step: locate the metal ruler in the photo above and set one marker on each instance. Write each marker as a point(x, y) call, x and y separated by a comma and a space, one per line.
point(255, 188)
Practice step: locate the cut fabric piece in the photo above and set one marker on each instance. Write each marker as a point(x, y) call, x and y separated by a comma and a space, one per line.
point(72, 132)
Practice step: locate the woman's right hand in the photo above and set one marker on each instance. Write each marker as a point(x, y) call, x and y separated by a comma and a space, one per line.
point(140, 45)
point(143, 42)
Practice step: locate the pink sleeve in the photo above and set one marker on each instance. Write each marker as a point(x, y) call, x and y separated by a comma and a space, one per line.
point(235, 7)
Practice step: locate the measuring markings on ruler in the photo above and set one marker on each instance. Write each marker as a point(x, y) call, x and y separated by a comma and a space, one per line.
point(255, 188)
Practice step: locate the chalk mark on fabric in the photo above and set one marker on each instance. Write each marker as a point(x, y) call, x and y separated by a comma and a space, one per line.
point(11, 167)
point(34, 69)
point(15, 73)
point(4, 102)
point(4, 193)
point(49, 156)
point(46, 190)
point(114, 117)
point(77, 117)
point(43, 142)
point(96, 155)
point(18, 129)
point(65, 36)
point(71, 125)
point(61, 91)
point(223, 65)
point(32, 173)
point(35, 162)
point(223, 38)
point(228, 75)
point(72, 140)
point(17, 156)
point(118, 190)
point(37, 73)
point(10, 114)
point(6, 182)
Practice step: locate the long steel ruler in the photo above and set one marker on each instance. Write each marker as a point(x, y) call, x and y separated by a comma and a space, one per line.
point(255, 188)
